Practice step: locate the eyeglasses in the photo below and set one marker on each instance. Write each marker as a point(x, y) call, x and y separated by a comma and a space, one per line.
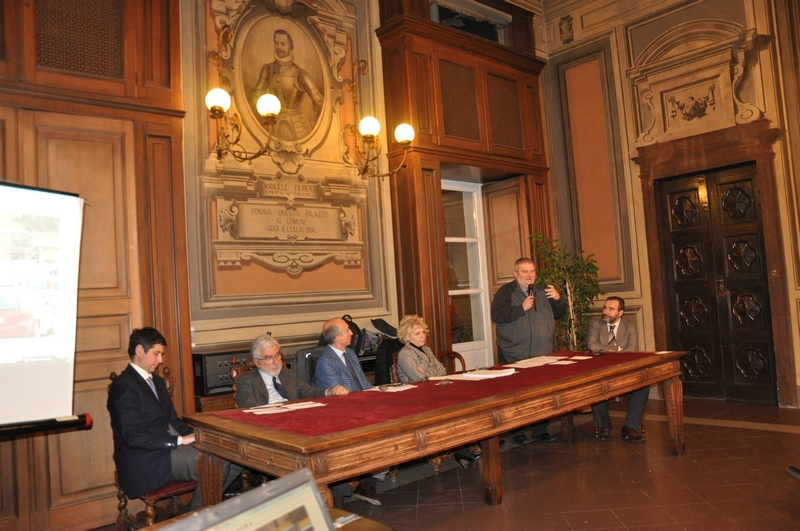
point(276, 357)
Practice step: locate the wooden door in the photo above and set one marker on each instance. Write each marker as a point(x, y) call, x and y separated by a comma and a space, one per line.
point(508, 229)
point(65, 480)
point(719, 307)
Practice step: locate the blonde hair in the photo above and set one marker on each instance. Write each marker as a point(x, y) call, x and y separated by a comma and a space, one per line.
point(407, 325)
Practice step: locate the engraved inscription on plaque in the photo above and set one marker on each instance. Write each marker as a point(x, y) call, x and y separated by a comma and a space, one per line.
point(263, 219)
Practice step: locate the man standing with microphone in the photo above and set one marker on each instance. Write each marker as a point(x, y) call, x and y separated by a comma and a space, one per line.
point(525, 314)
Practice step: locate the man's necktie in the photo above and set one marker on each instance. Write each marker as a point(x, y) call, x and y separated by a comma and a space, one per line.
point(612, 339)
point(152, 386)
point(280, 388)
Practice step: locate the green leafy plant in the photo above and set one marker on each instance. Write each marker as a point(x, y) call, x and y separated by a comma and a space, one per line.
point(575, 277)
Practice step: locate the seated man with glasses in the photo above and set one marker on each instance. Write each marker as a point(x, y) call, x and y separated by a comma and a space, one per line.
point(272, 382)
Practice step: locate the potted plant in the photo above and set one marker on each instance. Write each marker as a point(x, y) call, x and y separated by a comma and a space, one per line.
point(575, 277)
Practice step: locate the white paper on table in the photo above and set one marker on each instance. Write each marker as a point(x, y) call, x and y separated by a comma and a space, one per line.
point(484, 374)
point(537, 361)
point(392, 388)
point(581, 357)
point(282, 407)
point(563, 362)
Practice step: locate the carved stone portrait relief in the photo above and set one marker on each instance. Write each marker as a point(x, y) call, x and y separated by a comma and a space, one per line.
point(278, 57)
point(296, 225)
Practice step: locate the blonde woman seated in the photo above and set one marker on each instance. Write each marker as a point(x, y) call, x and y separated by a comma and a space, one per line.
point(416, 362)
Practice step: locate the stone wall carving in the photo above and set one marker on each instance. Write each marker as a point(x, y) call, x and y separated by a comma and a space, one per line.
point(689, 81)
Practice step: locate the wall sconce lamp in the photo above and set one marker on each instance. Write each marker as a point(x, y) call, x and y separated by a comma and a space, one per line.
point(229, 126)
point(368, 145)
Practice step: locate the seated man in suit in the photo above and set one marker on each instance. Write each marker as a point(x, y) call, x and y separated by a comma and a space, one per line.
point(338, 365)
point(152, 445)
point(610, 332)
point(272, 382)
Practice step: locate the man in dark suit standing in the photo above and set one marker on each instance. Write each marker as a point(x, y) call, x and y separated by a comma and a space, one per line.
point(272, 382)
point(152, 444)
point(611, 333)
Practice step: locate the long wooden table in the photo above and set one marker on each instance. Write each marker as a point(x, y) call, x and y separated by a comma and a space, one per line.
point(375, 446)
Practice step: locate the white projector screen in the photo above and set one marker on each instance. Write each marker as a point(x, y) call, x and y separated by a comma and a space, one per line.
point(40, 238)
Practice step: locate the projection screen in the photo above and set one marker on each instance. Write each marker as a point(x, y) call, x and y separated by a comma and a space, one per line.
point(40, 237)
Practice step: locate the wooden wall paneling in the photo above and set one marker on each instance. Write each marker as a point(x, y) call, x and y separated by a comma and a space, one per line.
point(420, 252)
point(534, 121)
point(539, 201)
point(506, 124)
point(423, 103)
point(508, 229)
point(8, 144)
point(161, 82)
point(14, 486)
point(157, 37)
point(460, 90)
point(390, 9)
point(79, 488)
point(94, 158)
point(163, 221)
point(9, 58)
point(87, 64)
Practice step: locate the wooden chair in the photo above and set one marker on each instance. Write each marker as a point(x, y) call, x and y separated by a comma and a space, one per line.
point(172, 491)
point(448, 359)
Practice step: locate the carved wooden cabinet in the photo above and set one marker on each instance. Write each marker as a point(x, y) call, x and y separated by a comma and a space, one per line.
point(475, 106)
point(461, 93)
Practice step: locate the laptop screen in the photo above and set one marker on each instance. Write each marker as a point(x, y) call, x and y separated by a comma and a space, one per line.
point(290, 503)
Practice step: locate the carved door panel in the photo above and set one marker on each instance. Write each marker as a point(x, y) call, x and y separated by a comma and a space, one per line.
point(717, 285)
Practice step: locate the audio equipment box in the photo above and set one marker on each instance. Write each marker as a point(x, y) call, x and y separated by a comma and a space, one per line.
point(212, 372)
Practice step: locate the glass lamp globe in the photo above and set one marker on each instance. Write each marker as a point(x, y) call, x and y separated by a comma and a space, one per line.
point(369, 127)
point(404, 133)
point(218, 98)
point(268, 105)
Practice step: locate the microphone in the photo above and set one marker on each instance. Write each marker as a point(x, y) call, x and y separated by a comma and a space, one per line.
point(530, 294)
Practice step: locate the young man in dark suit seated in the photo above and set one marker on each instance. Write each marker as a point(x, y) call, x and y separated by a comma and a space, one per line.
point(152, 444)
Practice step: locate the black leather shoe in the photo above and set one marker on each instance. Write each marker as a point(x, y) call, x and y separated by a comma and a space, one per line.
point(466, 455)
point(367, 493)
point(546, 437)
point(519, 439)
point(632, 435)
point(604, 433)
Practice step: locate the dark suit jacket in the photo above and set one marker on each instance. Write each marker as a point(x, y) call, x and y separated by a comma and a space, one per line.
point(251, 391)
point(597, 335)
point(140, 422)
point(332, 372)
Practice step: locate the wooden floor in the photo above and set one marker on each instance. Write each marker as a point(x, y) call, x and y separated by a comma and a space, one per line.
point(732, 477)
